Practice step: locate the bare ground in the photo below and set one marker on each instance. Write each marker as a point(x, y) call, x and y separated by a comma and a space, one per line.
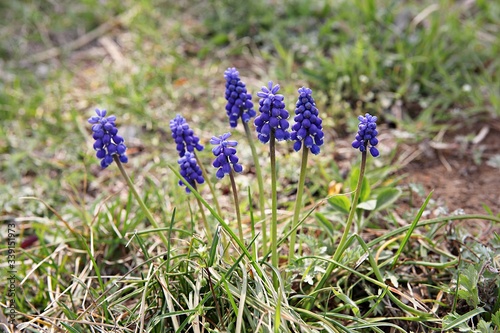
point(457, 179)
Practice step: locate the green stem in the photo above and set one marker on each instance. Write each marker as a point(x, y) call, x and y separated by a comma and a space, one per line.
point(209, 183)
point(274, 210)
point(260, 182)
point(340, 248)
point(236, 204)
point(204, 217)
point(223, 223)
point(352, 211)
point(139, 199)
point(298, 204)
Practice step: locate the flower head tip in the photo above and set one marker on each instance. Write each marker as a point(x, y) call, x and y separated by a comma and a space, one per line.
point(184, 136)
point(307, 129)
point(366, 138)
point(190, 170)
point(107, 141)
point(273, 117)
point(239, 101)
point(225, 155)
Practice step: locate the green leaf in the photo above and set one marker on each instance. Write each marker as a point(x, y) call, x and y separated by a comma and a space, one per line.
point(462, 319)
point(220, 39)
point(365, 190)
point(387, 197)
point(213, 249)
point(327, 224)
point(484, 327)
point(468, 290)
point(367, 205)
point(495, 319)
point(70, 328)
point(340, 203)
point(353, 178)
point(365, 186)
point(411, 229)
point(348, 301)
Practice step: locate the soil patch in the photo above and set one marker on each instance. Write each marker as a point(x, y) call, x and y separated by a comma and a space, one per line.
point(457, 169)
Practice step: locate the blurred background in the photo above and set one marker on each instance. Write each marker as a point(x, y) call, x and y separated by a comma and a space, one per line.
point(421, 66)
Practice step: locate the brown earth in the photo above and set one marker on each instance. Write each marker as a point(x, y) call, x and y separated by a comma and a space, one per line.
point(450, 169)
point(457, 169)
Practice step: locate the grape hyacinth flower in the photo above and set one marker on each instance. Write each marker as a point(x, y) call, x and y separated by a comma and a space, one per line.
point(184, 136)
point(272, 124)
point(367, 135)
point(226, 159)
point(110, 146)
point(307, 128)
point(186, 141)
point(239, 105)
point(190, 170)
point(273, 117)
point(107, 141)
point(239, 102)
point(306, 131)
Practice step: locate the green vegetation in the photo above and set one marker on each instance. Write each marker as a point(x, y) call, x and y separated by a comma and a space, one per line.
point(99, 265)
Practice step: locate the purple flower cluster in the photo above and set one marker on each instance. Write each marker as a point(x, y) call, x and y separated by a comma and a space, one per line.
point(273, 117)
point(225, 155)
point(184, 136)
point(367, 134)
point(107, 141)
point(239, 102)
point(190, 170)
point(307, 127)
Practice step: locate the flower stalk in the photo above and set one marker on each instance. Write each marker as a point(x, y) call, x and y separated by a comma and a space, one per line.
point(145, 209)
point(298, 204)
point(274, 210)
point(307, 132)
point(340, 248)
point(236, 205)
point(210, 185)
point(350, 218)
point(272, 125)
point(260, 182)
point(204, 218)
point(365, 140)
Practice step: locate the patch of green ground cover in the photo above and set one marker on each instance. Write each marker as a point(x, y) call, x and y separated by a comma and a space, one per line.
point(432, 56)
point(54, 97)
point(94, 271)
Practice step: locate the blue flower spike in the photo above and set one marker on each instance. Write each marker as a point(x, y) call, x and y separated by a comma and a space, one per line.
point(239, 101)
point(225, 155)
point(366, 138)
point(307, 129)
point(273, 117)
point(184, 136)
point(190, 170)
point(107, 141)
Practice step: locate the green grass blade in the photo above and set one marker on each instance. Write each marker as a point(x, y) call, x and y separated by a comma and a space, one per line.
point(413, 225)
point(463, 318)
point(241, 307)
